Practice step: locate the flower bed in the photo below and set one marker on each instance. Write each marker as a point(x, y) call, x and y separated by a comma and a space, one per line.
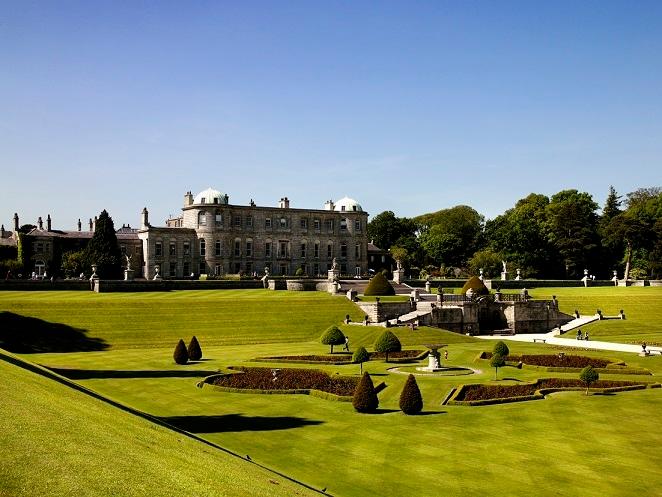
point(287, 379)
point(479, 394)
point(402, 356)
point(555, 360)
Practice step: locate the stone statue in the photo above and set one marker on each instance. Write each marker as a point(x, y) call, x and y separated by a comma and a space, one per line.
point(505, 266)
point(128, 262)
point(334, 265)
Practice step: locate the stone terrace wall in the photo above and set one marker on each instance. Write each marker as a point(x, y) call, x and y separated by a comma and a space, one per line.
point(39, 285)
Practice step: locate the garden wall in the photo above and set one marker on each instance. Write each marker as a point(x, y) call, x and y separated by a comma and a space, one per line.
point(41, 285)
point(106, 286)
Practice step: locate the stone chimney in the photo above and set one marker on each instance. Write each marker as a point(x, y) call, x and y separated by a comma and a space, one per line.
point(188, 199)
point(91, 225)
point(94, 224)
point(2, 231)
point(48, 222)
point(145, 219)
point(284, 203)
point(80, 225)
point(329, 205)
point(16, 221)
point(40, 223)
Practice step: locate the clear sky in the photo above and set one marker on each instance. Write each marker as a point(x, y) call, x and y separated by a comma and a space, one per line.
point(407, 106)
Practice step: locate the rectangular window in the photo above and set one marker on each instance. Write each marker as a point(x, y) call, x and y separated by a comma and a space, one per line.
point(249, 221)
point(343, 225)
point(357, 225)
point(316, 269)
point(173, 269)
point(267, 222)
point(187, 249)
point(237, 221)
point(282, 249)
point(217, 269)
point(267, 249)
point(158, 249)
point(187, 269)
point(304, 224)
point(303, 250)
point(217, 251)
point(203, 268)
point(329, 250)
point(316, 224)
point(317, 250)
point(249, 249)
point(219, 219)
point(237, 267)
point(249, 268)
point(123, 249)
point(343, 250)
point(357, 250)
point(328, 224)
point(203, 247)
point(237, 248)
point(173, 249)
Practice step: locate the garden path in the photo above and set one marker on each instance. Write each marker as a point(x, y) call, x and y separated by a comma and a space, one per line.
point(571, 342)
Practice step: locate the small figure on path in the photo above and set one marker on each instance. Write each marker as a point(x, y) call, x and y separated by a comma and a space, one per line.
point(643, 347)
point(586, 335)
point(579, 334)
point(445, 355)
point(346, 343)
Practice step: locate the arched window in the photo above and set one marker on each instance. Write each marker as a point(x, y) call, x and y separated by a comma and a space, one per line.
point(203, 247)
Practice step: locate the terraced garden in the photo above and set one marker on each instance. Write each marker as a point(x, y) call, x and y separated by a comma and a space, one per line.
point(120, 345)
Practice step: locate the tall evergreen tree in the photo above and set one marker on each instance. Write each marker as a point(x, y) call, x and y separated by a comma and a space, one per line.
point(103, 249)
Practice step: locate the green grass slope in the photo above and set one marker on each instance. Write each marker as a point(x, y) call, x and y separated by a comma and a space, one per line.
point(57, 441)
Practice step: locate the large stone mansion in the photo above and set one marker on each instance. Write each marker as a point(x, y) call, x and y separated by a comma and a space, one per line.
point(214, 237)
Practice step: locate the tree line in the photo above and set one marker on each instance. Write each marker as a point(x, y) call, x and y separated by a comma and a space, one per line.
point(543, 237)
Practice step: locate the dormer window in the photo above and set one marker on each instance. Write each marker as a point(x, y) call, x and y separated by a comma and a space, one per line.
point(203, 200)
point(354, 208)
point(342, 207)
point(216, 200)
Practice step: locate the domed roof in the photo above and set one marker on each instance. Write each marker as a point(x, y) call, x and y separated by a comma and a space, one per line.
point(210, 196)
point(348, 204)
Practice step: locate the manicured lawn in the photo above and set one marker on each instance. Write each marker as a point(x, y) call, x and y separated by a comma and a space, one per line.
point(567, 444)
point(57, 441)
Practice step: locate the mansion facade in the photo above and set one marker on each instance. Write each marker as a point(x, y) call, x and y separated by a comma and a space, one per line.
point(214, 237)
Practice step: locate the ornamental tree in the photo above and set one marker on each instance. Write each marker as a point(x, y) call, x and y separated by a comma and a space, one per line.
point(588, 375)
point(411, 401)
point(194, 350)
point(181, 354)
point(387, 342)
point(332, 336)
point(103, 249)
point(500, 348)
point(360, 356)
point(379, 285)
point(497, 361)
point(365, 398)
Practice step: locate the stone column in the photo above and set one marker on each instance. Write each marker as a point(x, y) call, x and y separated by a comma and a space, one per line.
point(399, 275)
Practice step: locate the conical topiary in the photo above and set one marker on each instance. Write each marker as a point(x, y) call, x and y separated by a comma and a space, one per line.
point(332, 336)
point(379, 285)
point(387, 342)
point(194, 350)
point(500, 348)
point(181, 354)
point(474, 283)
point(411, 401)
point(360, 356)
point(365, 399)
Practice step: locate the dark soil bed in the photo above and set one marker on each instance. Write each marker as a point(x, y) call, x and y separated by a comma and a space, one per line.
point(485, 392)
point(344, 358)
point(556, 360)
point(288, 379)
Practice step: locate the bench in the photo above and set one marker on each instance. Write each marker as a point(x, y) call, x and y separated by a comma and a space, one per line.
point(543, 340)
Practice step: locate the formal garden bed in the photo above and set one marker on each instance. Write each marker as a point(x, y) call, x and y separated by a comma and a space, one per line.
point(481, 394)
point(286, 381)
point(346, 358)
point(566, 363)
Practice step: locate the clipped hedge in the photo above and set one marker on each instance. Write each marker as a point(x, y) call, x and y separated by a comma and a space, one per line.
point(344, 358)
point(379, 286)
point(474, 283)
point(554, 360)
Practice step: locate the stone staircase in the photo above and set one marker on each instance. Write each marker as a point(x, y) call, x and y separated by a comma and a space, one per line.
point(574, 324)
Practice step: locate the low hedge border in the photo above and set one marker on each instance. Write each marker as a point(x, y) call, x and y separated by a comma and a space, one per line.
point(540, 394)
point(398, 360)
point(207, 382)
point(611, 363)
point(607, 370)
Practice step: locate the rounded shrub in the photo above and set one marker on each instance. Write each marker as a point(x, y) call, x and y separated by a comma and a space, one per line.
point(411, 401)
point(497, 361)
point(360, 356)
point(474, 283)
point(379, 285)
point(500, 348)
point(387, 342)
point(589, 375)
point(332, 336)
point(365, 399)
point(181, 354)
point(194, 350)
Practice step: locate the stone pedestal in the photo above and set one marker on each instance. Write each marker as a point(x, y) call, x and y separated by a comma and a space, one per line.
point(399, 276)
point(415, 294)
point(504, 276)
point(334, 287)
point(128, 274)
point(427, 287)
point(352, 295)
point(333, 274)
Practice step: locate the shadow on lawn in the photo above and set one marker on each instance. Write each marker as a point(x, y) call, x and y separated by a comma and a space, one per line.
point(27, 335)
point(236, 422)
point(89, 374)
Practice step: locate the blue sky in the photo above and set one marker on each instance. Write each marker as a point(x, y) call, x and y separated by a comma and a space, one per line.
point(406, 106)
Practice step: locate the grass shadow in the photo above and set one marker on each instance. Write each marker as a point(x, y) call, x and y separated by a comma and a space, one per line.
point(27, 335)
point(386, 411)
point(431, 413)
point(236, 423)
point(90, 374)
